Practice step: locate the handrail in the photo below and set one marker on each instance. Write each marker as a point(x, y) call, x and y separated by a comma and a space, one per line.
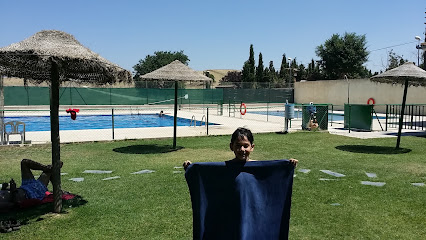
point(205, 119)
point(193, 121)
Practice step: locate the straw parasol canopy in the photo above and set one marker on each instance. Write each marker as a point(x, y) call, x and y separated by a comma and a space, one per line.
point(176, 71)
point(407, 71)
point(406, 74)
point(56, 56)
point(29, 59)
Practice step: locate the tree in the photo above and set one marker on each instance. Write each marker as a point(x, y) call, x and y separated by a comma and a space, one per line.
point(248, 72)
point(158, 60)
point(314, 72)
point(343, 55)
point(260, 69)
point(232, 76)
point(395, 60)
point(273, 77)
point(284, 68)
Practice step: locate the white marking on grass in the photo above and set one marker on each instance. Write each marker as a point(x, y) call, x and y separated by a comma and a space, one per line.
point(304, 170)
point(96, 171)
point(328, 179)
point(63, 173)
point(371, 175)
point(143, 171)
point(418, 184)
point(335, 204)
point(110, 178)
point(177, 171)
point(77, 179)
point(377, 184)
point(335, 174)
point(177, 167)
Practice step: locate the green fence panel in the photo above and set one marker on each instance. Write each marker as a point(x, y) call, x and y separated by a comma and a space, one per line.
point(358, 116)
point(321, 113)
point(15, 95)
point(18, 95)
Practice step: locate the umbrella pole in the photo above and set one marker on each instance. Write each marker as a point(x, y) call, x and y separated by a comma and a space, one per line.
point(54, 135)
point(401, 118)
point(175, 115)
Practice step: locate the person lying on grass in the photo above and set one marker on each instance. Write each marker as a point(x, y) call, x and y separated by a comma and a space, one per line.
point(242, 144)
point(31, 188)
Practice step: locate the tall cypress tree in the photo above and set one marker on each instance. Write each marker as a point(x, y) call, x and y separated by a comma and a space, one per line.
point(272, 72)
point(248, 73)
point(259, 70)
point(283, 68)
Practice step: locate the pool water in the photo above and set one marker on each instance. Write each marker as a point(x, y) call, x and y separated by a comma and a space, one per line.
point(42, 123)
point(279, 113)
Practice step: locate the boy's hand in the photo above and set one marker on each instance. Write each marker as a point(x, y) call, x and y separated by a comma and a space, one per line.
point(186, 164)
point(294, 161)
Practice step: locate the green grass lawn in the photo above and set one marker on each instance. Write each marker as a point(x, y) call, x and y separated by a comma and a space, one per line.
point(157, 205)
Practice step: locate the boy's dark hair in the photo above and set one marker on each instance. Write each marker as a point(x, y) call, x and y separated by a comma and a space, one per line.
point(241, 133)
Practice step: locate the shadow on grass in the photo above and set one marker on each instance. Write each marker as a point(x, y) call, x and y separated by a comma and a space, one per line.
point(147, 149)
point(36, 212)
point(372, 149)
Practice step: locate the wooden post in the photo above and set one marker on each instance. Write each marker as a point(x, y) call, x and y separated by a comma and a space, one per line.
point(175, 115)
point(401, 117)
point(54, 135)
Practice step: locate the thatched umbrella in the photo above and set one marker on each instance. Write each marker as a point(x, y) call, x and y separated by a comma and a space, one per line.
point(175, 71)
point(57, 56)
point(406, 74)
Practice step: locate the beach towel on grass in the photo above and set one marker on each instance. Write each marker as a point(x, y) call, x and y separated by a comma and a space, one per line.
point(232, 200)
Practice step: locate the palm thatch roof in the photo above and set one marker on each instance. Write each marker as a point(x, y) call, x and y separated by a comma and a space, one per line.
point(176, 71)
point(407, 71)
point(30, 59)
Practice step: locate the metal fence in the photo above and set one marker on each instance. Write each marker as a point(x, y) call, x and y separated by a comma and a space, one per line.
point(414, 116)
point(140, 122)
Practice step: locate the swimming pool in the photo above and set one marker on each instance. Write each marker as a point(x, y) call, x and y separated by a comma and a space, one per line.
point(280, 113)
point(42, 123)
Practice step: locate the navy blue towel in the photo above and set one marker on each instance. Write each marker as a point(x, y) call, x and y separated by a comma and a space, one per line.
point(233, 200)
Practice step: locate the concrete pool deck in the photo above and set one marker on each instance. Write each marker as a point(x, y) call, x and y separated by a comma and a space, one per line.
point(228, 122)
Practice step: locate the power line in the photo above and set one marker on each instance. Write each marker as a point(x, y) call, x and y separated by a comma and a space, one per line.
point(393, 46)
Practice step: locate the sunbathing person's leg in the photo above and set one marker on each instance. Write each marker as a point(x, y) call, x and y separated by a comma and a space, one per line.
point(27, 165)
point(34, 188)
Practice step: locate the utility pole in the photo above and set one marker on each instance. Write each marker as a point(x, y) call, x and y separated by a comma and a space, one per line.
point(423, 46)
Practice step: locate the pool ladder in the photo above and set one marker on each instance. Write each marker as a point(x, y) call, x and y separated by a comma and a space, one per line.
point(194, 121)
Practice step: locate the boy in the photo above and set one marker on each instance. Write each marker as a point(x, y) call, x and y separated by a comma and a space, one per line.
point(242, 144)
point(241, 198)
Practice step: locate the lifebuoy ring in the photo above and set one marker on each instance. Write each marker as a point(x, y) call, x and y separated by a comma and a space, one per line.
point(243, 108)
point(371, 100)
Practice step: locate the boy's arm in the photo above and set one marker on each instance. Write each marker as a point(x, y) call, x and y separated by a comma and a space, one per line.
point(294, 161)
point(186, 164)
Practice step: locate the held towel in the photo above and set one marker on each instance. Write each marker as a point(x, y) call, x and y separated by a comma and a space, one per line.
point(234, 200)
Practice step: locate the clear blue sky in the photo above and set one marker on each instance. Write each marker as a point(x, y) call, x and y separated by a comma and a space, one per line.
point(217, 34)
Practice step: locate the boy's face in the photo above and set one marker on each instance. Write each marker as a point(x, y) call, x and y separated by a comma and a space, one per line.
point(242, 148)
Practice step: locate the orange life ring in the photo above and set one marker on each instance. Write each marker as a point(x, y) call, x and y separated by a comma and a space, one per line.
point(371, 100)
point(243, 105)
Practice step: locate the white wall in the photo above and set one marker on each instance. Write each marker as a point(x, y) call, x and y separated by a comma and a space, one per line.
point(360, 90)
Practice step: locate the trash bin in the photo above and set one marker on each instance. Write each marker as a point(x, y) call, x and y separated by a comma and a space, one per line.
point(320, 111)
point(289, 111)
point(358, 116)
